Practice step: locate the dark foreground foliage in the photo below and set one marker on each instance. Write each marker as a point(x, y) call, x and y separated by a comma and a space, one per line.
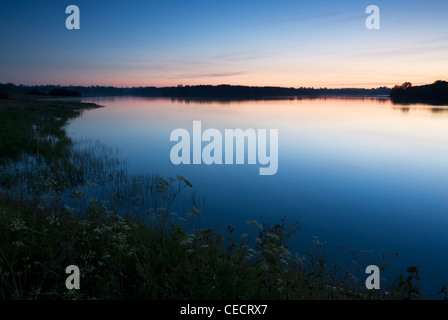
point(139, 254)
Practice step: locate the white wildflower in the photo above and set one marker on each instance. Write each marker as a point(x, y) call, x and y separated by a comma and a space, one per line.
point(17, 225)
point(194, 212)
point(186, 242)
point(255, 224)
point(18, 244)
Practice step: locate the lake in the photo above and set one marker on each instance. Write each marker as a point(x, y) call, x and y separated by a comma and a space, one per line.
point(361, 173)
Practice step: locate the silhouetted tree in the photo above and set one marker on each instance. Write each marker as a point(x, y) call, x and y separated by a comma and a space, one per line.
point(3, 94)
point(406, 85)
point(35, 92)
point(436, 93)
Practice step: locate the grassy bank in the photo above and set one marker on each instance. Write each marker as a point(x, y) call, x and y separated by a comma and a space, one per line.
point(128, 247)
point(35, 127)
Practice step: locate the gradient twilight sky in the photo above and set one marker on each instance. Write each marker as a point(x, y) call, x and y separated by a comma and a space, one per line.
point(320, 43)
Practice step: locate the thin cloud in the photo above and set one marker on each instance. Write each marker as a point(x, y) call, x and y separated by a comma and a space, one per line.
point(365, 84)
point(240, 56)
point(318, 16)
point(210, 75)
point(357, 17)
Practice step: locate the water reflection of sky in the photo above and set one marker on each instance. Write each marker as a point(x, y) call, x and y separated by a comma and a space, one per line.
point(359, 173)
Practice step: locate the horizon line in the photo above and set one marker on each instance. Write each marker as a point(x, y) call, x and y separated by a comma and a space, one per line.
point(194, 85)
point(346, 86)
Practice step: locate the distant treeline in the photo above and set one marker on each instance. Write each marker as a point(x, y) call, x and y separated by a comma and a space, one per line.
point(436, 93)
point(223, 91)
point(200, 91)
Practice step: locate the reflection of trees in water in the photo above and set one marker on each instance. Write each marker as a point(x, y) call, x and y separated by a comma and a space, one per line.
point(432, 110)
point(230, 100)
point(439, 110)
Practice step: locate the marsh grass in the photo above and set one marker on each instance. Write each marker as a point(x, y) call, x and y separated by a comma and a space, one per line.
point(127, 258)
point(75, 203)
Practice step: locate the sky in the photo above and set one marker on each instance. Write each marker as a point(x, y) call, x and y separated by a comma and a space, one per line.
point(319, 43)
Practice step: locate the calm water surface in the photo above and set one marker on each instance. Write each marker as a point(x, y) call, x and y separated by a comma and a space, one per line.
point(358, 173)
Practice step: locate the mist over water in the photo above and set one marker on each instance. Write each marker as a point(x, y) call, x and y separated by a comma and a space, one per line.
point(360, 173)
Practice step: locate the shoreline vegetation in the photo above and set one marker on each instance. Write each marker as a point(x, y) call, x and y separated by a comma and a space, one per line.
point(200, 91)
point(405, 94)
point(64, 204)
point(434, 94)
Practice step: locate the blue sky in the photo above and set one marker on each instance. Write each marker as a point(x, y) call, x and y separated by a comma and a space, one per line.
point(286, 43)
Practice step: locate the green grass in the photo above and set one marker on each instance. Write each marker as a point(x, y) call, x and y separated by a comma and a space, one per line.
point(63, 203)
point(36, 126)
